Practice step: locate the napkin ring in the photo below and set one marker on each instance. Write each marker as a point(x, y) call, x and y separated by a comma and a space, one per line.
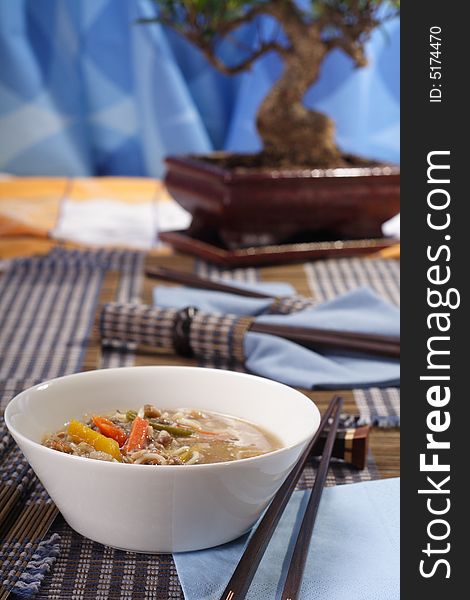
point(212, 338)
point(219, 338)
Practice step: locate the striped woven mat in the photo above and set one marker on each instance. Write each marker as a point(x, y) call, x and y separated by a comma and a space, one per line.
point(47, 310)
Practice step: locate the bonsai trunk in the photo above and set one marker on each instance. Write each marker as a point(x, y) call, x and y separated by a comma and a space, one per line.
point(289, 130)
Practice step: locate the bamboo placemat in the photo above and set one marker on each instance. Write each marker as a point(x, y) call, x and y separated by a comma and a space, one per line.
point(56, 562)
point(47, 309)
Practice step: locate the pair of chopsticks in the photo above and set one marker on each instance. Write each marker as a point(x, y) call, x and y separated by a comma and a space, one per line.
point(311, 337)
point(243, 575)
point(381, 345)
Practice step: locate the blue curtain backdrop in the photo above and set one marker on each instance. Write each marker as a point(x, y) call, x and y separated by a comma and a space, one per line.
point(84, 91)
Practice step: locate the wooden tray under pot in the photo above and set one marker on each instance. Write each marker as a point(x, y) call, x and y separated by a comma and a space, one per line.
point(185, 241)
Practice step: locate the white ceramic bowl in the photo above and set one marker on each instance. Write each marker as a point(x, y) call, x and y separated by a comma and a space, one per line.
point(161, 508)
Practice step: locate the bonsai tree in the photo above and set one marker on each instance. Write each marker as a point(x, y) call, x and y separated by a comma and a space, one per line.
point(291, 133)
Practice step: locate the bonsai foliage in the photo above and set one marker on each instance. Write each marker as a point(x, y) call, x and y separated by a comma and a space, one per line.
point(310, 30)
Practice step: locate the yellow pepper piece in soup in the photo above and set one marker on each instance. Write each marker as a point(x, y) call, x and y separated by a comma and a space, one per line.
point(95, 439)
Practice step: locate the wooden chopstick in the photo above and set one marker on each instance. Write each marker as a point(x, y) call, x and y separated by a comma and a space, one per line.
point(243, 575)
point(297, 564)
point(313, 337)
point(192, 280)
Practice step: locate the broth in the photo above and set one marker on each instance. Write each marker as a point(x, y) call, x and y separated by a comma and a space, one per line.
point(163, 437)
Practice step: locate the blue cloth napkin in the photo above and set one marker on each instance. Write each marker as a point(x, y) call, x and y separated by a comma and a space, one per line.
point(360, 310)
point(354, 552)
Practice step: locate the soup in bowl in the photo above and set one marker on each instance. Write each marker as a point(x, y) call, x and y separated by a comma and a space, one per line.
point(151, 436)
point(245, 432)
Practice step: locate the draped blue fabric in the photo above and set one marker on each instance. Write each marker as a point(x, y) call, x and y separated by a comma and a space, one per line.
point(85, 91)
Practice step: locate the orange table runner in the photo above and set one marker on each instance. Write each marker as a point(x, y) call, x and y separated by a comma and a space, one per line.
point(30, 206)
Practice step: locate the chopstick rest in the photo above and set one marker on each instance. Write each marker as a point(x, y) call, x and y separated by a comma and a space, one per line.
point(351, 445)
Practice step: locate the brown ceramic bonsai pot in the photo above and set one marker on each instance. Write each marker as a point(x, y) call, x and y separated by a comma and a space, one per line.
point(274, 205)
